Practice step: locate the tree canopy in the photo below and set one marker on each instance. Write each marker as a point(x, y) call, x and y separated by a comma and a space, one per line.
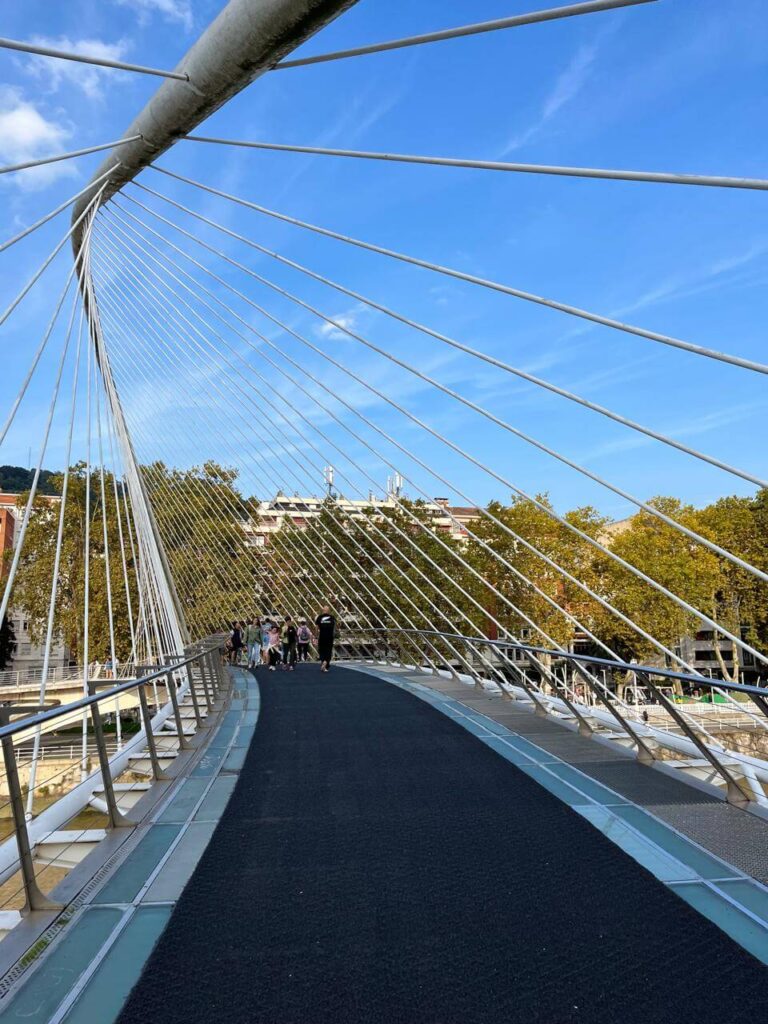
point(389, 566)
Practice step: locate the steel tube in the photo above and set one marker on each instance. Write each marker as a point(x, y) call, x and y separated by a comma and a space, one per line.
point(624, 666)
point(247, 39)
point(146, 719)
point(94, 698)
point(173, 694)
point(116, 817)
point(193, 696)
point(35, 899)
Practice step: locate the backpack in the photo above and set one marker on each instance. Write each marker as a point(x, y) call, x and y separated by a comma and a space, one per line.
point(304, 634)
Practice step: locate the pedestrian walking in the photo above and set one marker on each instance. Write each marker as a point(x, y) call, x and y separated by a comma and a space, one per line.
point(303, 640)
point(236, 640)
point(326, 632)
point(288, 639)
point(273, 648)
point(253, 642)
point(266, 629)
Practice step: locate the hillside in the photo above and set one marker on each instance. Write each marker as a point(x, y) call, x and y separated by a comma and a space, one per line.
point(14, 479)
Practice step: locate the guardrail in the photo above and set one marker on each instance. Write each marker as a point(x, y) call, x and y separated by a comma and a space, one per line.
point(588, 699)
point(201, 656)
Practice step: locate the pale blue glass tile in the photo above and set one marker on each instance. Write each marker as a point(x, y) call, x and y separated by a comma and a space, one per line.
point(555, 786)
point(237, 704)
point(232, 718)
point(250, 717)
point(490, 726)
point(659, 863)
point(502, 747)
point(212, 807)
point(750, 895)
point(244, 736)
point(672, 842)
point(576, 778)
point(475, 728)
point(222, 739)
point(185, 801)
point(207, 765)
point(104, 995)
point(173, 876)
point(125, 883)
point(456, 705)
point(536, 753)
point(235, 759)
point(75, 949)
point(456, 715)
point(742, 929)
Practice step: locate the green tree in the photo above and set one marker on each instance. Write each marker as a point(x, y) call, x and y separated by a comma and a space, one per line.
point(203, 521)
point(666, 555)
point(32, 586)
point(527, 521)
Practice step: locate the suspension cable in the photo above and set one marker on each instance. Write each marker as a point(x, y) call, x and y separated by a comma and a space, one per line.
point(518, 20)
point(67, 156)
point(659, 177)
point(650, 509)
point(399, 569)
point(543, 507)
point(459, 275)
point(610, 607)
point(81, 58)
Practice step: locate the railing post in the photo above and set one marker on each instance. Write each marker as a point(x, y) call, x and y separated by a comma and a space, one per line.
point(219, 672)
point(736, 793)
point(205, 677)
point(184, 743)
point(158, 774)
point(193, 696)
point(34, 898)
point(645, 752)
point(116, 818)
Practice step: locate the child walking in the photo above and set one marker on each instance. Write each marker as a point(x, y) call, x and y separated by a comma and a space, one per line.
point(303, 640)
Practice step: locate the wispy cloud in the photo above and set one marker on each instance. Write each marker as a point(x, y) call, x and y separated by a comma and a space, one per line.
point(28, 135)
point(362, 112)
point(342, 322)
point(718, 419)
point(54, 73)
point(568, 85)
point(179, 11)
point(704, 278)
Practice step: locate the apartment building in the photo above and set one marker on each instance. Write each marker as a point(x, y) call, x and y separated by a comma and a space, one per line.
point(301, 510)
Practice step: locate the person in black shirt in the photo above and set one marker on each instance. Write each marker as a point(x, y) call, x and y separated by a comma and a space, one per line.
point(326, 631)
point(236, 642)
point(288, 638)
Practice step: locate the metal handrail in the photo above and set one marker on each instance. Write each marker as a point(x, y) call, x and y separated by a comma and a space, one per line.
point(42, 717)
point(202, 652)
point(745, 778)
point(624, 666)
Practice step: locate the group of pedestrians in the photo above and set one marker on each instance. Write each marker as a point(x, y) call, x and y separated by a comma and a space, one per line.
point(273, 643)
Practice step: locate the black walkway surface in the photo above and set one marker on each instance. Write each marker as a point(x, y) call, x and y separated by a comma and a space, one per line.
point(377, 863)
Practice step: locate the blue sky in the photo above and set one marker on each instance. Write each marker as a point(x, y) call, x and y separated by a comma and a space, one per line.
point(675, 85)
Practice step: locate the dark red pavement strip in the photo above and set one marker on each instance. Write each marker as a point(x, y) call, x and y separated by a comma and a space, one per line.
point(377, 863)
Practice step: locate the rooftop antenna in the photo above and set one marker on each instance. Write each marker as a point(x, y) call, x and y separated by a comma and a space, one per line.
point(328, 476)
point(395, 486)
